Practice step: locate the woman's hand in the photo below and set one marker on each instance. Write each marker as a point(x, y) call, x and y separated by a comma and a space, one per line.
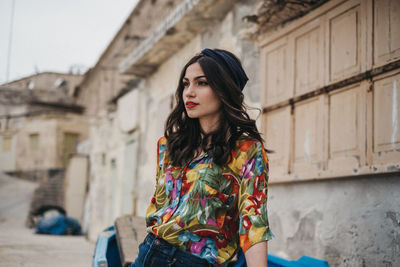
point(256, 255)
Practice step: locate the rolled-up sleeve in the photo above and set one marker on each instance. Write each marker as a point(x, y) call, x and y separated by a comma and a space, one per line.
point(253, 214)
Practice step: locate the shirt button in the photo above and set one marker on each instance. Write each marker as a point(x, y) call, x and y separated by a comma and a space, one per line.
point(157, 242)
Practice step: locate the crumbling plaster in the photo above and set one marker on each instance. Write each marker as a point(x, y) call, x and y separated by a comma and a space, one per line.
point(348, 222)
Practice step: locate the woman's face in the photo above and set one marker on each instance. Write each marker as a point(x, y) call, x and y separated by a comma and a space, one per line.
point(199, 98)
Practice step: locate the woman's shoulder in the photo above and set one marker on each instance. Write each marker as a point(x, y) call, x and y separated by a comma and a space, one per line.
point(161, 145)
point(162, 141)
point(245, 144)
point(249, 148)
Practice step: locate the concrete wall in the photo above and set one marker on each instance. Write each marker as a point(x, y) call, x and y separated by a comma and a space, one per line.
point(99, 134)
point(75, 185)
point(8, 151)
point(106, 159)
point(70, 123)
point(50, 130)
point(44, 156)
point(348, 222)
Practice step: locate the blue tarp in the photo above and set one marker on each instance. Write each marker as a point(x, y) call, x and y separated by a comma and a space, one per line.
point(58, 225)
point(274, 261)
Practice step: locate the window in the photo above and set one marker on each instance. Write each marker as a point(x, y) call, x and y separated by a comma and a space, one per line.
point(69, 146)
point(7, 143)
point(60, 83)
point(34, 141)
point(103, 159)
point(31, 85)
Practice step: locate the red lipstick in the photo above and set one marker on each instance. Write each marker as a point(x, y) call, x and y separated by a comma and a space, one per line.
point(190, 104)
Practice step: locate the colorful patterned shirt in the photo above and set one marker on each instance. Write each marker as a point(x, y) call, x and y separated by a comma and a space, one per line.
point(209, 210)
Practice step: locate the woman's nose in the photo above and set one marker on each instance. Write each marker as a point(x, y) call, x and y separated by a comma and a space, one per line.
point(189, 90)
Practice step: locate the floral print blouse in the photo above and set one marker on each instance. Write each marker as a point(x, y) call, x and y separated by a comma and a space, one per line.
point(209, 210)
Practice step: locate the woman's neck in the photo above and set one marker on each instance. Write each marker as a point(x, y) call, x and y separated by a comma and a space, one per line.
point(209, 124)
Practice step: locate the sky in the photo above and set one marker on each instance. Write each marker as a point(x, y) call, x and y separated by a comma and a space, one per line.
point(55, 35)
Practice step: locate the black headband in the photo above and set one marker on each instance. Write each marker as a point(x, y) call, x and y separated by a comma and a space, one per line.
point(229, 64)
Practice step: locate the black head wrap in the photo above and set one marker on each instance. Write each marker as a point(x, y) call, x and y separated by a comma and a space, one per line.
point(229, 64)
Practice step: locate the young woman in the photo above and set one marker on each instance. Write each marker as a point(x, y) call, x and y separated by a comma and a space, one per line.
point(211, 185)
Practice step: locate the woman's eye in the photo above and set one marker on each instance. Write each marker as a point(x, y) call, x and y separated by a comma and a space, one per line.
point(185, 84)
point(203, 83)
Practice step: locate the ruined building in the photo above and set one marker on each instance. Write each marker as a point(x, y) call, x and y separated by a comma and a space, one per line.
point(40, 124)
point(40, 127)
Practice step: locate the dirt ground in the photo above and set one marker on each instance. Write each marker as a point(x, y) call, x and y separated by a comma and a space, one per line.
point(19, 246)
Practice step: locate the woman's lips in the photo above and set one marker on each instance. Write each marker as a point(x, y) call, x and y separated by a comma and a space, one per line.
point(191, 104)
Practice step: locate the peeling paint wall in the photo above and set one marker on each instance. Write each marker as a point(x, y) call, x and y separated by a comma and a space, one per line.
point(351, 222)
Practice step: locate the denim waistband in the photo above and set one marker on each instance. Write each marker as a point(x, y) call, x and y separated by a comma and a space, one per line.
point(163, 246)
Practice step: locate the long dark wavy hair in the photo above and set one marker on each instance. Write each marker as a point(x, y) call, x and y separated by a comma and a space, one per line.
point(184, 135)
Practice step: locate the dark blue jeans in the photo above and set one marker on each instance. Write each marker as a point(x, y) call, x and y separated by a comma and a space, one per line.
point(155, 252)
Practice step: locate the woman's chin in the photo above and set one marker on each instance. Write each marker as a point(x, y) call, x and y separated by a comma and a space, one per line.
point(191, 115)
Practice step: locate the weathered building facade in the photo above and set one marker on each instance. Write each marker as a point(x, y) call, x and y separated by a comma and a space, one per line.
point(325, 76)
point(40, 125)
